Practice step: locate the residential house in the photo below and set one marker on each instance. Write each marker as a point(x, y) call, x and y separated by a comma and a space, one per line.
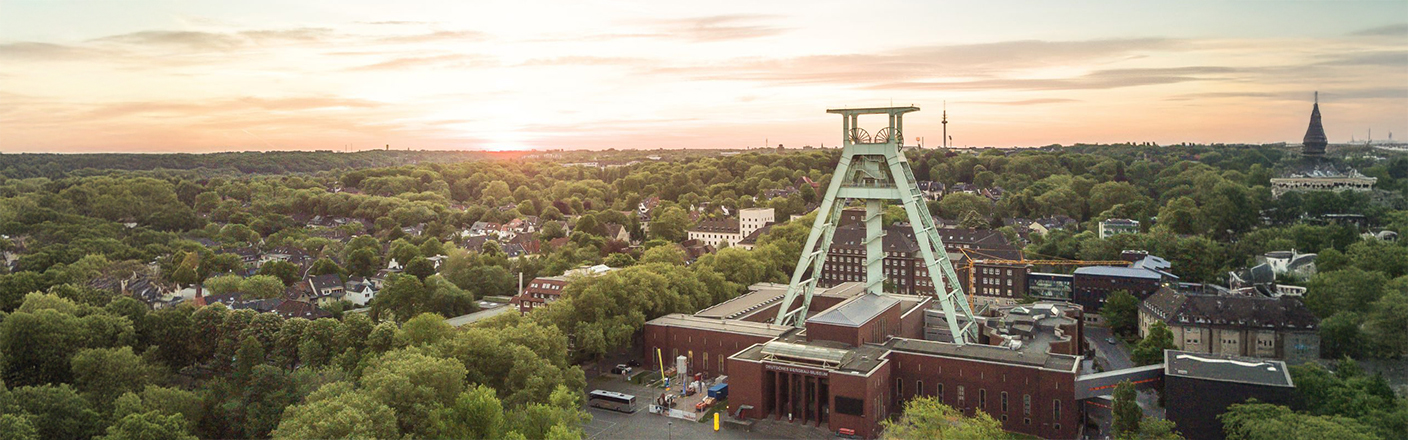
point(1045, 225)
point(930, 189)
point(617, 232)
point(484, 228)
point(290, 309)
point(1115, 226)
point(360, 291)
point(514, 250)
point(770, 194)
point(325, 289)
point(544, 290)
point(730, 231)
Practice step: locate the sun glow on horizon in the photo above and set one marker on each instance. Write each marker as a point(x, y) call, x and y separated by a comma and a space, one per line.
point(204, 76)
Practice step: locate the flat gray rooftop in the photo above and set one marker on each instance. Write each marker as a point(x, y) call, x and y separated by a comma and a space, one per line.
point(992, 353)
point(1227, 368)
point(722, 325)
point(1116, 271)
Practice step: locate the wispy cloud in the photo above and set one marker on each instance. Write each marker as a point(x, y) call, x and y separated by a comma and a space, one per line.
point(887, 69)
point(435, 36)
point(1392, 30)
point(217, 41)
point(720, 27)
point(30, 51)
point(432, 61)
point(1039, 101)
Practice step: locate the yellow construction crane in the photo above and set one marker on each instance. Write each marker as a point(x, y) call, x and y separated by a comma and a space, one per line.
point(972, 262)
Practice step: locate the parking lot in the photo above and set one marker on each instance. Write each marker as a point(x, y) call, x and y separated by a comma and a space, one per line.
point(612, 425)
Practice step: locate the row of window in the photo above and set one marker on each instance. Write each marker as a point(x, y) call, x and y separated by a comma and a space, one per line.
point(982, 400)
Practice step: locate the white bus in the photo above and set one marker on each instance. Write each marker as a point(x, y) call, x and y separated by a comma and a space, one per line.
point(612, 400)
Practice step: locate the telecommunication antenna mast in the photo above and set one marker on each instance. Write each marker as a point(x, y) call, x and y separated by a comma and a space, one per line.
point(873, 170)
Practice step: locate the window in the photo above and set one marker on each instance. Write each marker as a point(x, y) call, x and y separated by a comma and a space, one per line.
point(960, 395)
point(850, 406)
point(982, 398)
point(706, 359)
point(940, 392)
point(899, 388)
point(721, 364)
point(1027, 405)
point(1004, 403)
point(919, 388)
point(1056, 409)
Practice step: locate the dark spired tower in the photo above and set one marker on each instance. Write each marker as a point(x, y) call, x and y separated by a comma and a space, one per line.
point(1314, 142)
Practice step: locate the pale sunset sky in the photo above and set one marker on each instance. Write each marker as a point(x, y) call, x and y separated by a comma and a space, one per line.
point(203, 76)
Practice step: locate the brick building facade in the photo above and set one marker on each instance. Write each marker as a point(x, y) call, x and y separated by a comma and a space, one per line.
point(860, 356)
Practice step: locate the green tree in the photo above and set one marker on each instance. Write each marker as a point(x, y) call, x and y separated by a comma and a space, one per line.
point(338, 411)
point(224, 284)
point(620, 260)
point(1157, 429)
point(57, 412)
point(424, 329)
point(262, 286)
point(560, 417)
point(1151, 350)
point(283, 270)
point(1121, 311)
point(668, 254)
point(105, 373)
point(250, 355)
point(415, 386)
point(1388, 322)
point(476, 413)
point(38, 346)
point(420, 267)
point(1126, 411)
point(960, 204)
point(17, 427)
point(147, 426)
point(925, 417)
point(363, 262)
point(1180, 216)
point(670, 225)
point(1340, 335)
point(1351, 290)
point(1261, 421)
point(325, 266)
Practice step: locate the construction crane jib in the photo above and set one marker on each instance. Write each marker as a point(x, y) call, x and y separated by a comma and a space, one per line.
point(872, 171)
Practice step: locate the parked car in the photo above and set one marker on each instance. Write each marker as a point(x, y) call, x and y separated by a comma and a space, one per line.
point(1110, 340)
point(621, 369)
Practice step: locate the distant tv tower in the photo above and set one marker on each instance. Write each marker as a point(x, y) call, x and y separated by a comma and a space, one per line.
point(945, 122)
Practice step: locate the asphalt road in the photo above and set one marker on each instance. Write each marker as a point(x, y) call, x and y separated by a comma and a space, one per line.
point(1111, 356)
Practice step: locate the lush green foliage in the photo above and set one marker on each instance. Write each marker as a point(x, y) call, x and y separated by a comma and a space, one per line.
point(926, 417)
point(1151, 349)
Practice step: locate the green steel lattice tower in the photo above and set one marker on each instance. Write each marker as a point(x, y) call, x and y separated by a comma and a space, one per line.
point(873, 170)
